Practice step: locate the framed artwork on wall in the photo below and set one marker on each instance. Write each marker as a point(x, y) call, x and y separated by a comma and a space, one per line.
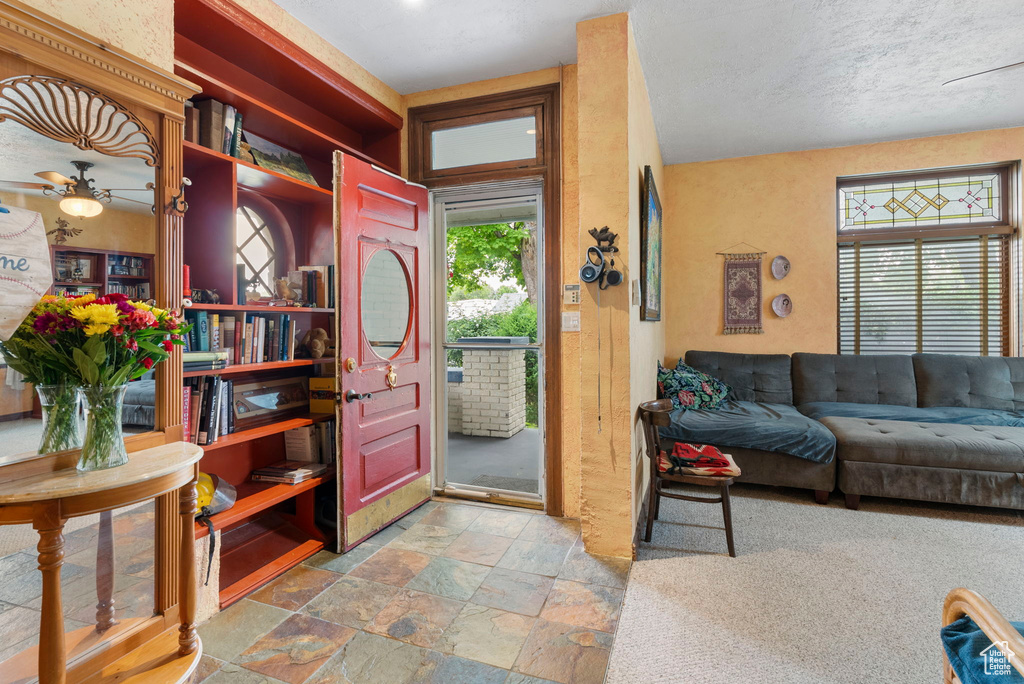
point(650, 250)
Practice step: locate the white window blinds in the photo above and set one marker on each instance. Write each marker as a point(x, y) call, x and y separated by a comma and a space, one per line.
point(939, 295)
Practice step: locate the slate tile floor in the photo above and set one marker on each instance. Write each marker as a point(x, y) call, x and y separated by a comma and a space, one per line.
point(450, 594)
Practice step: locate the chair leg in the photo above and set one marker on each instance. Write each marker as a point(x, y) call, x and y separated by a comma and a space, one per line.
point(657, 506)
point(821, 497)
point(727, 513)
point(652, 509)
point(853, 501)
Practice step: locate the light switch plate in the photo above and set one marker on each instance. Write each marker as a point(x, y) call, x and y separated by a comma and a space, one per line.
point(636, 292)
point(571, 294)
point(570, 321)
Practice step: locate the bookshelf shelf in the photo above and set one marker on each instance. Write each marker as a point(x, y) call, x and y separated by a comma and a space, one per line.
point(263, 180)
point(256, 497)
point(244, 368)
point(266, 430)
point(259, 551)
point(259, 309)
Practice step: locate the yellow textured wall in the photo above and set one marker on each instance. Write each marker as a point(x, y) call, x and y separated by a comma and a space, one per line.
point(647, 338)
point(602, 49)
point(783, 204)
point(124, 230)
point(143, 28)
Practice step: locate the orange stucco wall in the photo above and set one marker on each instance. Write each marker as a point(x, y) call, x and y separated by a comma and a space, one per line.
point(616, 139)
point(782, 204)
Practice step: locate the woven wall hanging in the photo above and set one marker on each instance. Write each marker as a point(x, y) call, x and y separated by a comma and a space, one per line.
point(742, 292)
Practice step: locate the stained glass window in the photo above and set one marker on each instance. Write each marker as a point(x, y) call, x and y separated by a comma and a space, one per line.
point(921, 202)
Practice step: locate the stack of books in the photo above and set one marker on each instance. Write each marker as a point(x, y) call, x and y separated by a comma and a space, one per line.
point(315, 443)
point(289, 472)
point(205, 361)
point(215, 125)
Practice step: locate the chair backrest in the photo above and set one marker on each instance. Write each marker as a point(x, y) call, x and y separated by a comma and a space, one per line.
point(652, 414)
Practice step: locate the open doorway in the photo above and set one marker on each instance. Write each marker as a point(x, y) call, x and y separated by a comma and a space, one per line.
point(489, 299)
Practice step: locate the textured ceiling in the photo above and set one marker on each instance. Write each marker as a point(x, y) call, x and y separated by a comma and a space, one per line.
point(726, 77)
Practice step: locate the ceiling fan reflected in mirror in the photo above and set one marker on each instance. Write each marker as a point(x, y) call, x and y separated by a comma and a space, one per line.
point(981, 73)
point(78, 196)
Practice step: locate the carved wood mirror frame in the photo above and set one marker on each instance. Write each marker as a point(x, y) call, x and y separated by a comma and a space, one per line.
point(141, 113)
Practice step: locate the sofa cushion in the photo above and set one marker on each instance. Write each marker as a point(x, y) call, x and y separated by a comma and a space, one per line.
point(865, 379)
point(754, 425)
point(973, 656)
point(753, 377)
point(967, 447)
point(960, 415)
point(993, 382)
point(690, 388)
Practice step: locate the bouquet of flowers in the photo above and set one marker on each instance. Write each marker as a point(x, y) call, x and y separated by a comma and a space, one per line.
point(97, 344)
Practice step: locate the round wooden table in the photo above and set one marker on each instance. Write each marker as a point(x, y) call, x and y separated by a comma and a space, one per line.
point(163, 648)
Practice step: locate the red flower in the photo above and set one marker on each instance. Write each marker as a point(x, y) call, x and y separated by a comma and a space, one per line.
point(147, 362)
point(117, 330)
point(132, 345)
point(168, 346)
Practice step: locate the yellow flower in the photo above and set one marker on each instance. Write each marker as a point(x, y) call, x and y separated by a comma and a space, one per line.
point(83, 300)
point(97, 315)
point(96, 329)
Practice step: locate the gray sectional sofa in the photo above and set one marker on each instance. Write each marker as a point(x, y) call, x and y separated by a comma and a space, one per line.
point(928, 427)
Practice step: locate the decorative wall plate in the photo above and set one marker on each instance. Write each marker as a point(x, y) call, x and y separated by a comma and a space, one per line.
point(782, 305)
point(780, 267)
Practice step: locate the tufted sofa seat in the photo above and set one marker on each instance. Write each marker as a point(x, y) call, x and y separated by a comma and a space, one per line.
point(929, 427)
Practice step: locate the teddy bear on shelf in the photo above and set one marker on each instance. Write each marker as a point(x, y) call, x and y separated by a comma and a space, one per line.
point(318, 344)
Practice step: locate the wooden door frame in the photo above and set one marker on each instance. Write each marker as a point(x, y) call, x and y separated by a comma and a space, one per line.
point(545, 166)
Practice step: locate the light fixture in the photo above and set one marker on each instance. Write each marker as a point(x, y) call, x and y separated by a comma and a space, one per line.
point(79, 197)
point(82, 207)
point(532, 131)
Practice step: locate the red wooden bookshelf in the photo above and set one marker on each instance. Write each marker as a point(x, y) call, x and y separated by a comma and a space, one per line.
point(286, 96)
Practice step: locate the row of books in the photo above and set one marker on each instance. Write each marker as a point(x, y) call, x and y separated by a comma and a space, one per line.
point(289, 472)
point(314, 284)
point(140, 291)
point(214, 125)
point(208, 413)
point(316, 443)
point(258, 338)
point(118, 264)
point(201, 361)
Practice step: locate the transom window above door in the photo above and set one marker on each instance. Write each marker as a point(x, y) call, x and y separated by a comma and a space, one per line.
point(254, 248)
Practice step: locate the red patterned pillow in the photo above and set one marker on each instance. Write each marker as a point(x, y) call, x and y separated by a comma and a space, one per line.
point(697, 459)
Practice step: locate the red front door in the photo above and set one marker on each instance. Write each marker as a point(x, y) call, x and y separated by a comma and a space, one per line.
point(382, 232)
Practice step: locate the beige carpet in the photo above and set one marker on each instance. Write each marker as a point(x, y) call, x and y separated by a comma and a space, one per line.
point(817, 594)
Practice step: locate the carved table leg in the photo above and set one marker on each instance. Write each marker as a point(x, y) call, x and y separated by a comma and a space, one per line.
point(105, 574)
point(50, 526)
point(188, 640)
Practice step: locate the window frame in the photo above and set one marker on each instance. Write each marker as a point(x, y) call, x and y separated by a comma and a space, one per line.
point(278, 225)
point(1005, 230)
point(1006, 226)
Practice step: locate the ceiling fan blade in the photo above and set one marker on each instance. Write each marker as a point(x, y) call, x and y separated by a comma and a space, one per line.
point(29, 186)
point(54, 177)
point(128, 199)
point(986, 71)
point(127, 189)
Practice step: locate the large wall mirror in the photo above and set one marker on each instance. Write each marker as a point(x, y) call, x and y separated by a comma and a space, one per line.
point(96, 200)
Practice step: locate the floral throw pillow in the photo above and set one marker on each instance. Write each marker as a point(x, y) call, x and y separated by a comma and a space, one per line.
point(689, 388)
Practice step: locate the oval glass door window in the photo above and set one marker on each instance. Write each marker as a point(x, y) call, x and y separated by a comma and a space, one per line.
point(385, 303)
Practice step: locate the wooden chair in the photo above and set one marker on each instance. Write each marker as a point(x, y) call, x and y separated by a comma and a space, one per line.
point(655, 414)
point(961, 602)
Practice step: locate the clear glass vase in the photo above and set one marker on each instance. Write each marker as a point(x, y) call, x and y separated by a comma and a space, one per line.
point(61, 418)
point(103, 446)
